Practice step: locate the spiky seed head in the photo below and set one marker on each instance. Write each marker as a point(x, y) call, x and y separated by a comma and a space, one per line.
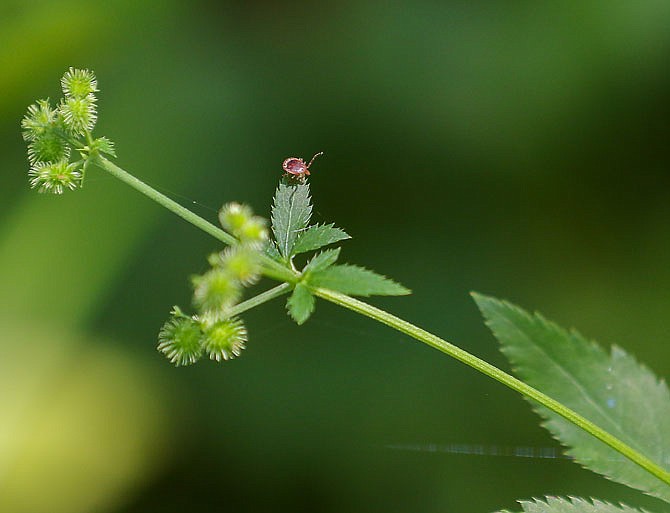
point(48, 147)
point(79, 83)
point(54, 177)
point(225, 340)
point(240, 261)
point(79, 114)
point(232, 216)
point(39, 118)
point(180, 339)
point(253, 231)
point(240, 220)
point(215, 291)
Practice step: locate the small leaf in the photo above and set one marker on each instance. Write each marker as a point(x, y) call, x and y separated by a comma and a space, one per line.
point(300, 304)
point(357, 281)
point(317, 236)
point(322, 261)
point(291, 212)
point(104, 145)
point(611, 390)
point(573, 505)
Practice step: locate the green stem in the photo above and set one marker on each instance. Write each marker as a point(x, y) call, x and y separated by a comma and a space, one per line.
point(277, 270)
point(166, 202)
point(84, 168)
point(261, 298)
point(495, 373)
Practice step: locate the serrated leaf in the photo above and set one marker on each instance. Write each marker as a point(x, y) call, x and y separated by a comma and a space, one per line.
point(322, 260)
point(573, 505)
point(612, 390)
point(291, 212)
point(300, 304)
point(104, 145)
point(318, 236)
point(357, 281)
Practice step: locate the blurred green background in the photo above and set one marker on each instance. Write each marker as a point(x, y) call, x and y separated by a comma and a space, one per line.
point(515, 148)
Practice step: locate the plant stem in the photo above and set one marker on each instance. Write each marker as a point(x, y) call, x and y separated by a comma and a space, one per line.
point(164, 201)
point(495, 373)
point(278, 271)
point(261, 298)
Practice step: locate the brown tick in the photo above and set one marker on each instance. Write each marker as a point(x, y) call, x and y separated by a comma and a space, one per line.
point(296, 166)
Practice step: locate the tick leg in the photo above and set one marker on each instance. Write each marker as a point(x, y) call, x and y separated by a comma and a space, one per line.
point(315, 155)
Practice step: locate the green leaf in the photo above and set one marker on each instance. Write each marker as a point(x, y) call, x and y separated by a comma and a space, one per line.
point(322, 261)
point(317, 236)
point(104, 145)
point(612, 390)
point(300, 304)
point(572, 505)
point(291, 212)
point(357, 281)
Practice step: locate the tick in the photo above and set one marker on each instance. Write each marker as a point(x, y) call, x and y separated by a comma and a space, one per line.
point(296, 166)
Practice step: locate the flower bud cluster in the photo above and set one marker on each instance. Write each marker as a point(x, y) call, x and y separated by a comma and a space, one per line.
point(214, 330)
point(52, 133)
point(242, 223)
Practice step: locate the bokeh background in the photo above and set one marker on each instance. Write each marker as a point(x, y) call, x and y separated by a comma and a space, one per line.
point(519, 149)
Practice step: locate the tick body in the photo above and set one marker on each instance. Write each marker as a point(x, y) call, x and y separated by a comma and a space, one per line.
point(297, 167)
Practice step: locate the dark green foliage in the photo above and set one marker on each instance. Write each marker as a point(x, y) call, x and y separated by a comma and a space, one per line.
point(357, 281)
point(300, 304)
point(318, 236)
point(291, 212)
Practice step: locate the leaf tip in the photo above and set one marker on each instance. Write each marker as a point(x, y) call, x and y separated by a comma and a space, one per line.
point(403, 291)
point(484, 302)
point(300, 304)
